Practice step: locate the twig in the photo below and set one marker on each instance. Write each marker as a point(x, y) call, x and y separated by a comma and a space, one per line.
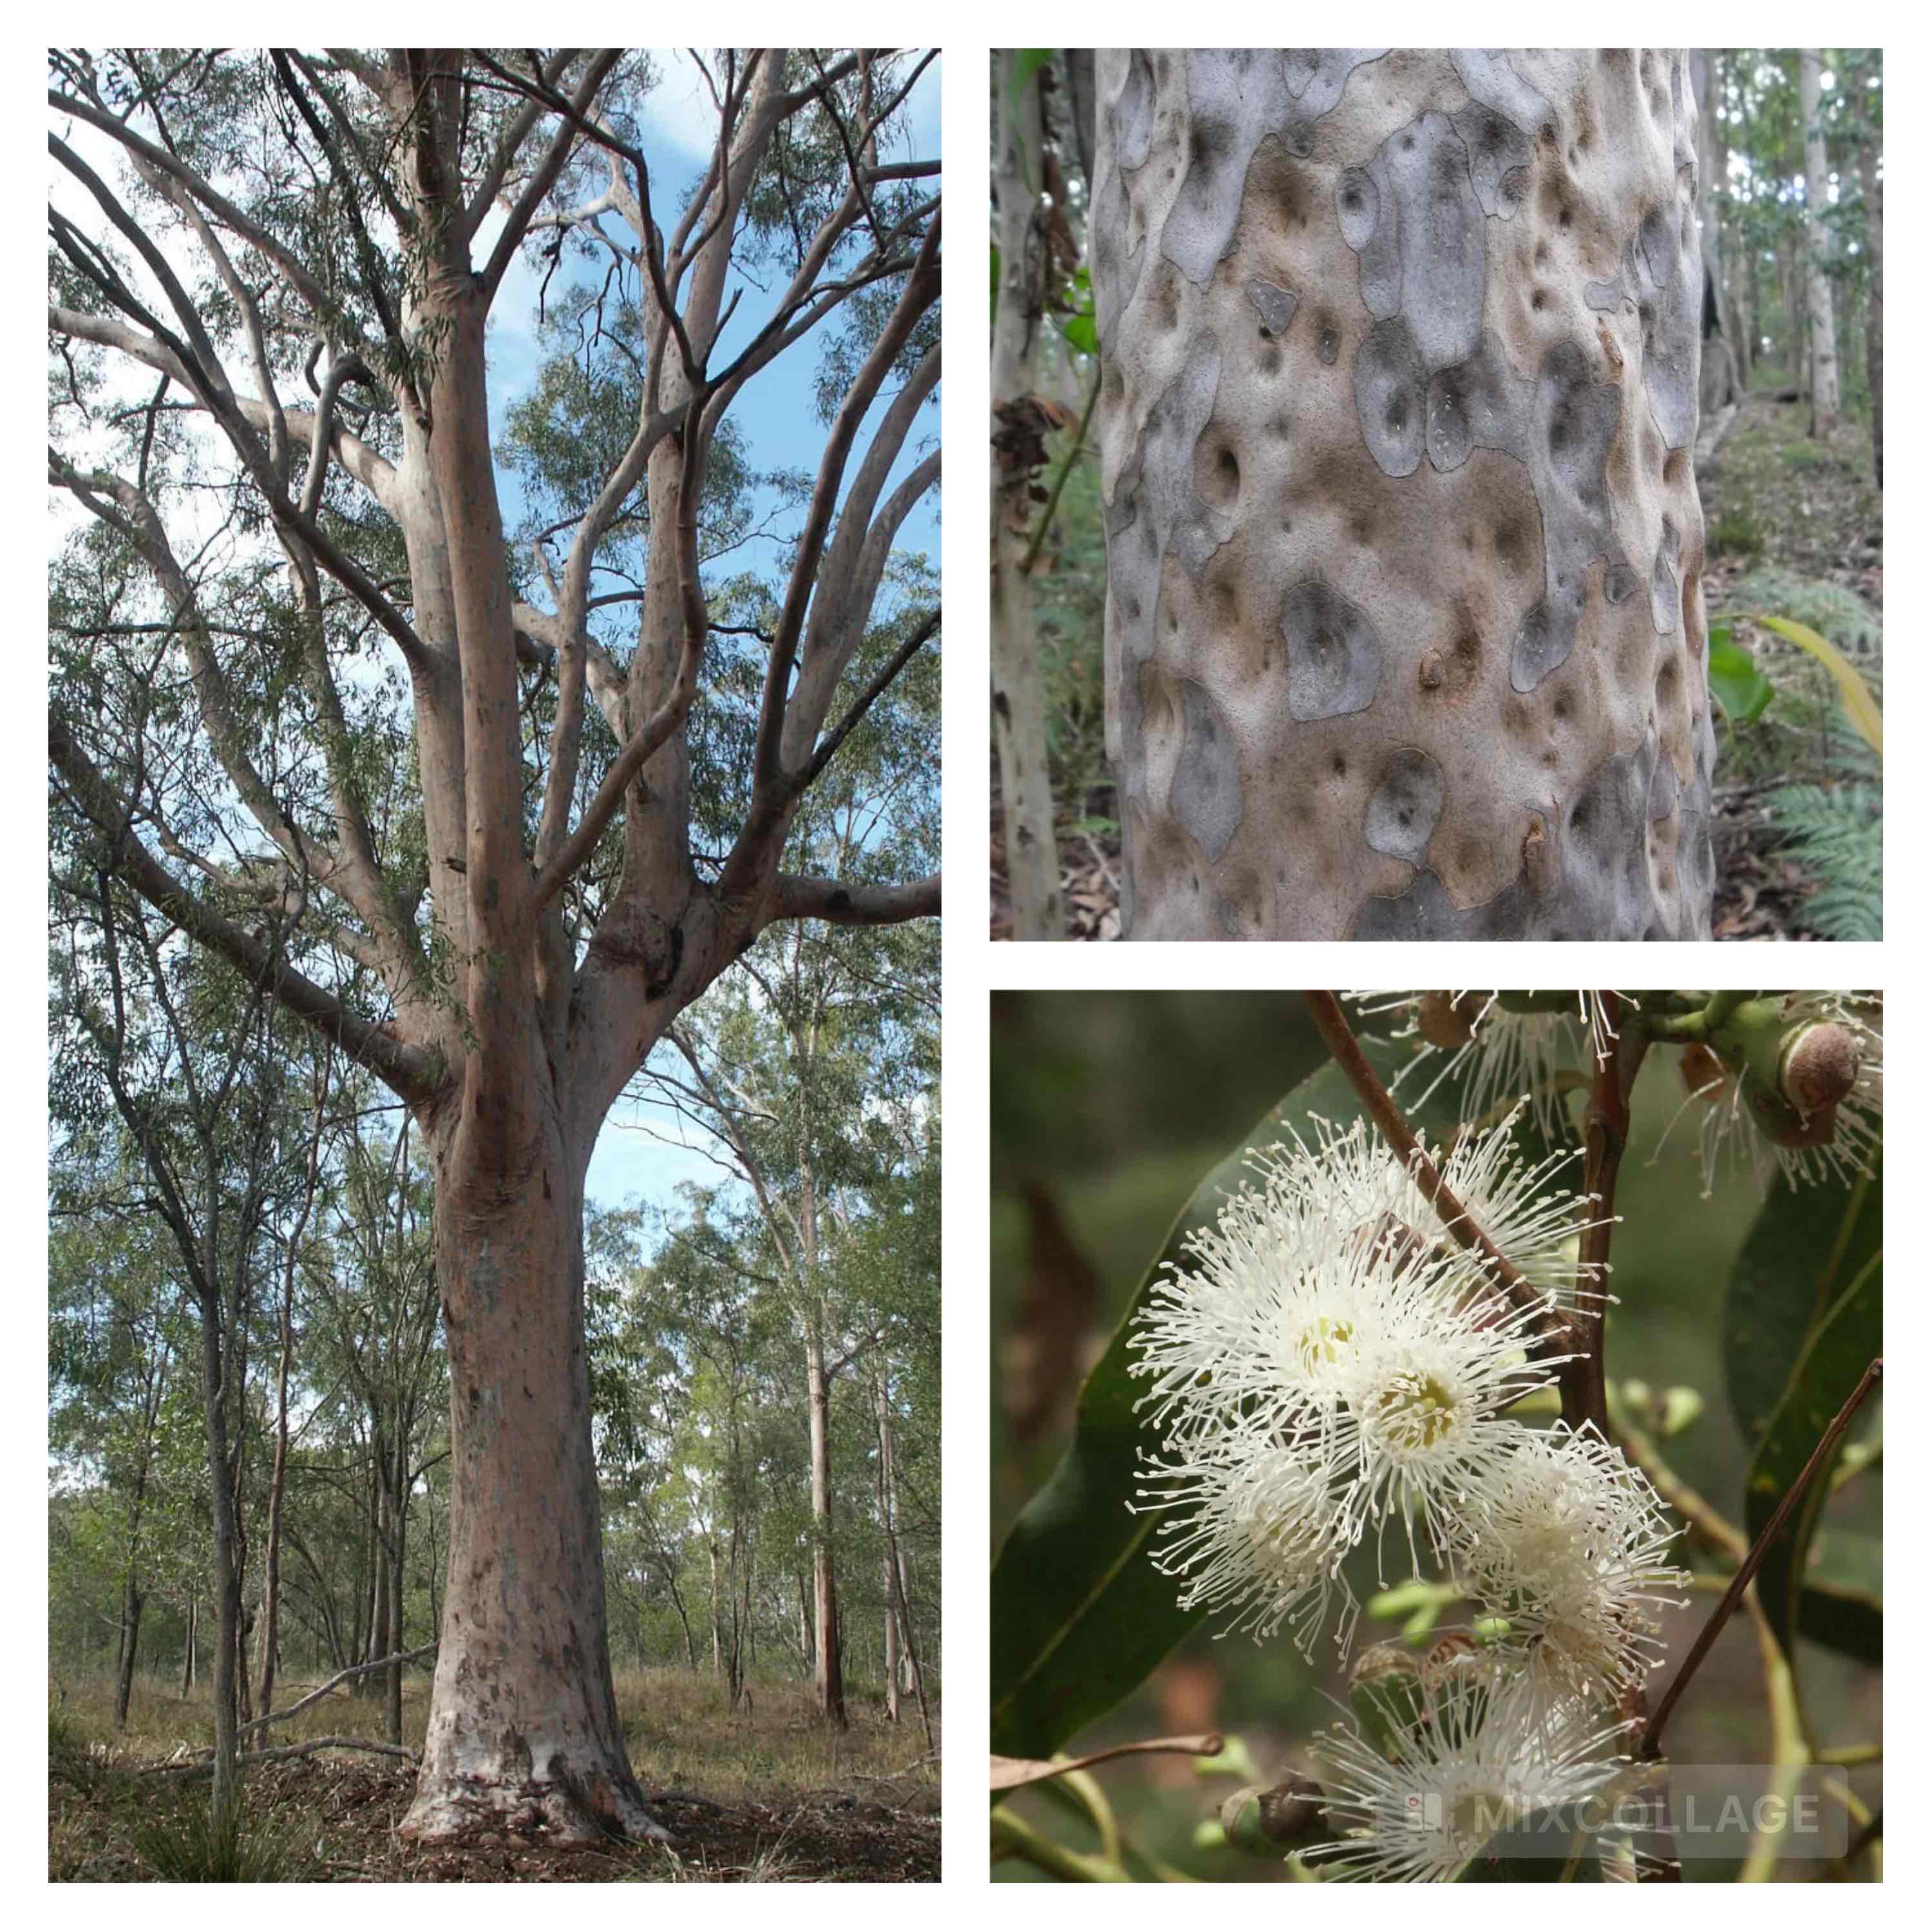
point(1606, 1132)
point(1072, 457)
point(1383, 1109)
point(1719, 1617)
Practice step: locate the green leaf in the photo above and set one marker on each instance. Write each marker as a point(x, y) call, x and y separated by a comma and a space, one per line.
point(1800, 1252)
point(1028, 61)
point(1080, 333)
point(1736, 682)
point(1080, 1614)
point(1835, 1355)
point(1861, 707)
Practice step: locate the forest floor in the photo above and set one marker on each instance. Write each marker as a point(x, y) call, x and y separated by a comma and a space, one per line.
point(770, 1795)
point(1793, 526)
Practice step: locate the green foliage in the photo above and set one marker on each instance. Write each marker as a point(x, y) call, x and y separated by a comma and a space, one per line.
point(1734, 534)
point(1736, 682)
point(1837, 835)
point(1836, 1353)
point(206, 1843)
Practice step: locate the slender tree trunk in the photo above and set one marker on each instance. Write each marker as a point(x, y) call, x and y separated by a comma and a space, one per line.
point(1400, 379)
point(1817, 282)
point(829, 1674)
point(187, 1663)
point(271, 1555)
point(523, 1729)
point(227, 1577)
point(131, 1601)
point(1019, 702)
point(1874, 197)
point(398, 1519)
point(1723, 381)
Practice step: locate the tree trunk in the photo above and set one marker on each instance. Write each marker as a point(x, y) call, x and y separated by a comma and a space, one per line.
point(188, 1663)
point(523, 1733)
point(1874, 196)
point(271, 1554)
point(1405, 635)
point(1723, 381)
point(131, 1600)
point(1019, 702)
point(1824, 357)
point(829, 1676)
point(398, 1525)
point(227, 1577)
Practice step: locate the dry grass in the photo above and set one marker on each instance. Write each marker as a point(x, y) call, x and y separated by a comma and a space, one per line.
point(764, 1791)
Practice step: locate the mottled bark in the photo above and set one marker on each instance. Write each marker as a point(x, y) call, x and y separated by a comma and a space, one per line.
point(1405, 633)
point(1823, 346)
point(523, 1731)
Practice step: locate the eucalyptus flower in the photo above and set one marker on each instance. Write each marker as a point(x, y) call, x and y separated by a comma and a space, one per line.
point(1567, 1539)
point(1259, 1533)
point(1500, 1056)
point(1489, 1750)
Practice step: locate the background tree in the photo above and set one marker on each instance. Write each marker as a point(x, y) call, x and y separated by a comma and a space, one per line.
point(1823, 361)
point(235, 231)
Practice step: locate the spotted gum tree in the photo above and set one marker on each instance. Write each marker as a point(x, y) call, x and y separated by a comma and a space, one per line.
point(1405, 634)
point(274, 276)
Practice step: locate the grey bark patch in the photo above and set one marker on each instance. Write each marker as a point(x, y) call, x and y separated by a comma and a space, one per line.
point(1662, 272)
point(1573, 420)
point(1236, 97)
point(1274, 305)
point(1315, 78)
point(1404, 811)
point(1156, 507)
point(1334, 653)
point(1391, 396)
point(1481, 404)
point(1499, 128)
point(1439, 237)
point(1663, 790)
point(1205, 796)
point(1593, 881)
point(1664, 585)
point(1130, 121)
point(1326, 349)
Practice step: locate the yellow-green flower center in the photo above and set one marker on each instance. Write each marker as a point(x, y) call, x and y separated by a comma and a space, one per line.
point(1417, 1411)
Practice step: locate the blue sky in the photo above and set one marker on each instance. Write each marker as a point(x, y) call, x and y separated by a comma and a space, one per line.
point(777, 413)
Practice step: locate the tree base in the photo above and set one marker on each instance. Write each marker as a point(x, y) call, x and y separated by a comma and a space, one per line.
point(565, 1808)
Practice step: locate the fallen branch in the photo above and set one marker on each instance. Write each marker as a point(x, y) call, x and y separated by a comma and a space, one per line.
point(201, 1766)
point(341, 1677)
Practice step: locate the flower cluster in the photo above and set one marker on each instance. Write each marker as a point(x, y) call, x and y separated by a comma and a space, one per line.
point(1327, 1359)
point(1331, 1360)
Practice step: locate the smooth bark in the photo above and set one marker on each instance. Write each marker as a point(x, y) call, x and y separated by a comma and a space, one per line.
point(1823, 335)
point(1019, 691)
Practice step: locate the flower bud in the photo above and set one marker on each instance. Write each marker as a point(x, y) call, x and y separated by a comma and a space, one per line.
point(1447, 1019)
point(1821, 1066)
point(1289, 1816)
point(1702, 1072)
